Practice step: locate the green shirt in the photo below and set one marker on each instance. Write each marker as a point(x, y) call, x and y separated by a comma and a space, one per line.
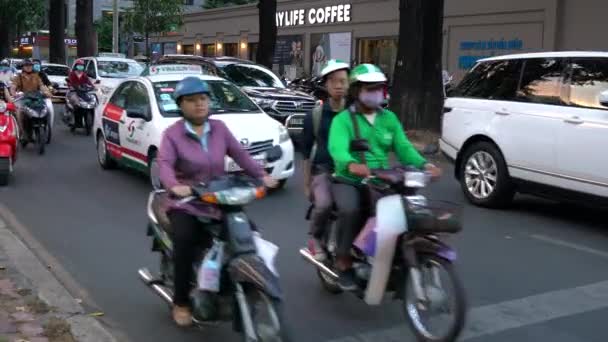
point(384, 136)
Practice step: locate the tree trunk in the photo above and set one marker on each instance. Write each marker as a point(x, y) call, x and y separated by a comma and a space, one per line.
point(148, 44)
point(57, 31)
point(417, 94)
point(84, 28)
point(268, 32)
point(5, 40)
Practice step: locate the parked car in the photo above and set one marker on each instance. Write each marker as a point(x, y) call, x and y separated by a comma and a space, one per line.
point(534, 123)
point(108, 71)
point(57, 74)
point(264, 87)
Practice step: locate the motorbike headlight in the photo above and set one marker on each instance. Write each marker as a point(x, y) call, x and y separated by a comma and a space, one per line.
point(234, 196)
point(283, 134)
point(416, 179)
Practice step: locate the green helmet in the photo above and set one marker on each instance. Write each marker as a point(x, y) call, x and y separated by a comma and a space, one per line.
point(367, 73)
point(334, 65)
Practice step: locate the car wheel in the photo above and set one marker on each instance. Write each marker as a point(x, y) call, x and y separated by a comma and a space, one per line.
point(484, 176)
point(105, 161)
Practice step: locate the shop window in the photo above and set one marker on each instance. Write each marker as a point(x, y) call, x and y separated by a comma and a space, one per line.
point(231, 49)
point(209, 50)
point(381, 52)
point(253, 51)
point(188, 49)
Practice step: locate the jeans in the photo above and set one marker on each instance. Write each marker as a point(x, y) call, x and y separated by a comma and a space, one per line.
point(188, 234)
point(321, 190)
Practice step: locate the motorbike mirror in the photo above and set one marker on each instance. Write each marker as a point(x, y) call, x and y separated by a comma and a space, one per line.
point(137, 114)
point(359, 145)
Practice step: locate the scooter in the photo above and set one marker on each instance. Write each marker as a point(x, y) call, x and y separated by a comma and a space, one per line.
point(237, 280)
point(399, 251)
point(36, 123)
point(9, 133)
point(81, 114)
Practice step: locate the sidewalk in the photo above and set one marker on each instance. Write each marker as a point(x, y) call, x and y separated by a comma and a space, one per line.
point(34, 306)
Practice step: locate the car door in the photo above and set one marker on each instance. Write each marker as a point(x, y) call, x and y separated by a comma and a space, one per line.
point(584, 132)
point(529, 125)
point(113, 117)
point(134, 131)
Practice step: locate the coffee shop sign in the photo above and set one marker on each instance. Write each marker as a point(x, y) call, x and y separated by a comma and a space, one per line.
point(312, 16)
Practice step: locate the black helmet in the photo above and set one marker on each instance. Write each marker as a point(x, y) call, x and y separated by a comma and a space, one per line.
point(5, 63)
point(27, 61)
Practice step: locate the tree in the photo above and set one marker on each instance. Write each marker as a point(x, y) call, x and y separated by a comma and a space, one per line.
point(153, 16)
point(17, 17)
point(85, 33)
point(104, 29)
point(417, 94)
point(57, 31)
point(268, 31)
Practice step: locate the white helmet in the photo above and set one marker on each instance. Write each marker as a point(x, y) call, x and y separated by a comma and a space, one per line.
point(334, 65)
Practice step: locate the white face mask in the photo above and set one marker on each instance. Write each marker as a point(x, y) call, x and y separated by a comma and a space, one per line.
point(372, 99)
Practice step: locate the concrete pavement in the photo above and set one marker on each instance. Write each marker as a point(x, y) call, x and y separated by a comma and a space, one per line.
point(536, 272)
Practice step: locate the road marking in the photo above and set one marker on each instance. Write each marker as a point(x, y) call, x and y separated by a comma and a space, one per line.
point(575, 246)
point(495, 318)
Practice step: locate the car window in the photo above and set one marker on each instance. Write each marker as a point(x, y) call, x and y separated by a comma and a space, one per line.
point(91, 69)
point(493, 80)
point(53, 70)
point(119, 98)
point(588, 78)
point(541, 81)
point(119, 69)
point(225, 98)
point(137, 98)
point(245, 75)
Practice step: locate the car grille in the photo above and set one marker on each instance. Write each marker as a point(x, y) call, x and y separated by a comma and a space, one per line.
point(290, 107)
point(259, 147)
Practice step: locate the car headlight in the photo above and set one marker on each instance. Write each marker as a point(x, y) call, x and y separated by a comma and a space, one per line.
point(283, 134)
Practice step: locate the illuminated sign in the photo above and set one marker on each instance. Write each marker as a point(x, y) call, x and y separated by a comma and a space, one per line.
point(314, 16)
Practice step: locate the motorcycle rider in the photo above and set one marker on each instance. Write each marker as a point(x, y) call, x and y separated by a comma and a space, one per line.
point(27, 81)
point(317, 165)
point(384, 134)
point(192, 150)
point(77, 78)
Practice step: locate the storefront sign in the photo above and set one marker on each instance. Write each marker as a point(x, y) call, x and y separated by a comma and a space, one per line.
point(71, 41)
point(175, 69)
point(466, 62)
point(313, 16)
point(26, 41)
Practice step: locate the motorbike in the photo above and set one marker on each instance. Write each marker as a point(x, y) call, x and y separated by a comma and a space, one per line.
point(81, 114)
point(247, 291)
point(8, 140)
point(36, 125)
point(399, 250)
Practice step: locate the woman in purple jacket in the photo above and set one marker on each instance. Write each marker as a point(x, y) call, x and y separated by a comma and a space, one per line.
point(192, 151)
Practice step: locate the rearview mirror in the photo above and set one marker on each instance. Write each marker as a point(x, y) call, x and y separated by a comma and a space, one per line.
point(604, 98)
point(137, 114)
point(359, 145)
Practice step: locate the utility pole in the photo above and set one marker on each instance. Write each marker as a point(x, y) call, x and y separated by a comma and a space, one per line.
point(115, 26)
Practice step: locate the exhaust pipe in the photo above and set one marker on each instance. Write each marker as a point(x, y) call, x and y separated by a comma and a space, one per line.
point(148, 279)
point(304, 252)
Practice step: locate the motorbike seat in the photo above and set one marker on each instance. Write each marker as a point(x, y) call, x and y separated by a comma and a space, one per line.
point(161, 214)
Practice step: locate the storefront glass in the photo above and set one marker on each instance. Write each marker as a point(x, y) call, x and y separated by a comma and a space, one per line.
point(188, 49)
point(289, 56)
point(253, 50)
point(381, 52)
point(231, 49)
point(209, 50)
point(170, 48)
point(328, 46)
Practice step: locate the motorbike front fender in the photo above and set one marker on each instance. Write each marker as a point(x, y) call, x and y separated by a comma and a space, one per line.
point(6, 150)
point(250, 268)
point(425, 245)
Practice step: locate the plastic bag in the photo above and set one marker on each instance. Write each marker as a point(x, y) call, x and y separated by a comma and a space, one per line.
point(267, 251)
point(210, 269)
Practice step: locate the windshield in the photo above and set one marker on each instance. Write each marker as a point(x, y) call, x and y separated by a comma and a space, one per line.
point(118, 69)
point(245, 75)
point(52, 70)
point(225, 99)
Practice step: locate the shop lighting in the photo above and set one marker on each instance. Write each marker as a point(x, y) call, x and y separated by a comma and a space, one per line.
point(243, 45)
point(219, 46)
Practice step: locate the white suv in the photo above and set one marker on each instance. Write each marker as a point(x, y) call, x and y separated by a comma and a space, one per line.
point(534, 123)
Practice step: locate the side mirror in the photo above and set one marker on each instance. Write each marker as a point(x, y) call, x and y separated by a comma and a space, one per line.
point(98, 82)
point(137, 114)
point(604, 98)
point(359, 145)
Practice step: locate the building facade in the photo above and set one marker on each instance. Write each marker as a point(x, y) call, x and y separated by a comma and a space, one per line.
point(367, 31)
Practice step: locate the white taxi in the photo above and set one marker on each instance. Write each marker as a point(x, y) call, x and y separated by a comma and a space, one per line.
point(129, 124)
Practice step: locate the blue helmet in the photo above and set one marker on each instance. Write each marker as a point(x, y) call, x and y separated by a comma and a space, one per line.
point(190, 86)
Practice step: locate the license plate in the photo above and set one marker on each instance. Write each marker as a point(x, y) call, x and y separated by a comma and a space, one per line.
point(296, 122)
point(233, 166)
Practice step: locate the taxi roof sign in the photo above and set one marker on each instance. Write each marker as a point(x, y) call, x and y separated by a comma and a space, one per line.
point(111, 54)
point(174, 69)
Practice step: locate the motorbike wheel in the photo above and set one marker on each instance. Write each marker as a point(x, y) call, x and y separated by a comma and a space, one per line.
point(88, 122)
point(5, 170)
point(41, 139)
point(436, 300)
point(267, 317)
point(329, 284)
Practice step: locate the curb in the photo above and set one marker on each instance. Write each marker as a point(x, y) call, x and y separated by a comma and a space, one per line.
point(83, 327)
